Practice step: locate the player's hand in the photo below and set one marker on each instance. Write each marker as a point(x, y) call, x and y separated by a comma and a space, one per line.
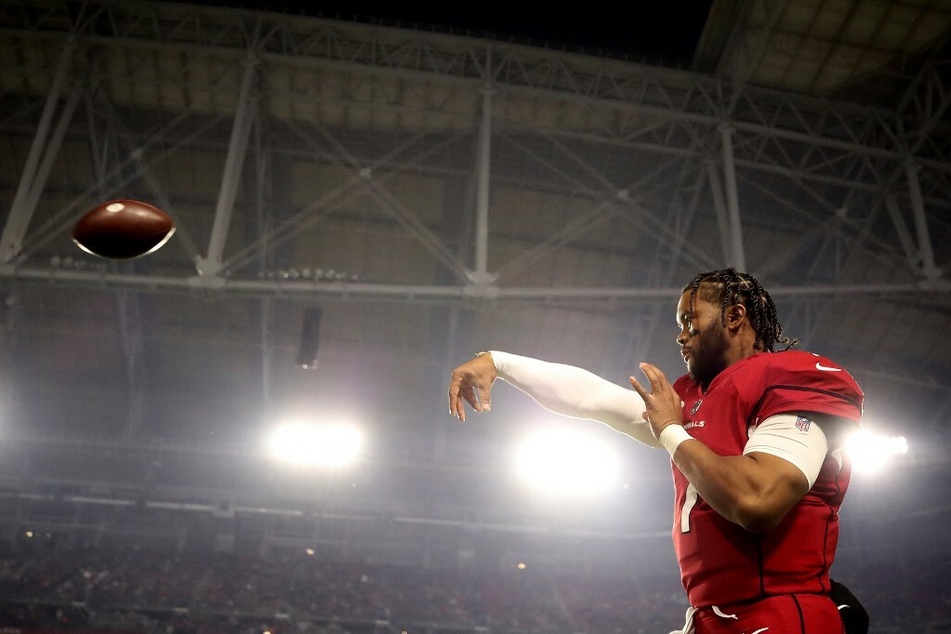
point(663, 403)
point(472, 382)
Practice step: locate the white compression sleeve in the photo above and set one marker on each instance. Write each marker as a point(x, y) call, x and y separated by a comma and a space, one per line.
point(576, 392)
point(792, 437)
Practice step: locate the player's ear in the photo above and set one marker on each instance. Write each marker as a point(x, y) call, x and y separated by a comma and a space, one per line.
point(735, 315)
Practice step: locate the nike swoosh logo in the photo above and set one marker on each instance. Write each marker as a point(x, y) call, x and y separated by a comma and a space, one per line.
point(760, 630)
point(824, 368)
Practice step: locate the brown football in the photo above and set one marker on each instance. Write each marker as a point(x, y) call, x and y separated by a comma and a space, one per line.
point(123, 229)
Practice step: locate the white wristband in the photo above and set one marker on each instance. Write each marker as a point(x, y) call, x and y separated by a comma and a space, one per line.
point(671, 436)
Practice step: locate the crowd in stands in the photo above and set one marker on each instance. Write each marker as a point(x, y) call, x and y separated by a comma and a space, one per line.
point(112, 591)
point(126, 591)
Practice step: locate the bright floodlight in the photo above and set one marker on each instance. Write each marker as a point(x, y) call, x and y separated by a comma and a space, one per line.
point(566, 462)
point(316, 445)
point(871, 452)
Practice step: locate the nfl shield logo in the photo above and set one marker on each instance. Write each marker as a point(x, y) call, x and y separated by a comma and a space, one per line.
point(802, 424)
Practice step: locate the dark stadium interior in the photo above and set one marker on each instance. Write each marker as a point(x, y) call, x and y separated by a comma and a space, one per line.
point(327, 157)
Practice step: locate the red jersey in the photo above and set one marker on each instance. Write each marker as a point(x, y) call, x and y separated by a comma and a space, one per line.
point(720, 562)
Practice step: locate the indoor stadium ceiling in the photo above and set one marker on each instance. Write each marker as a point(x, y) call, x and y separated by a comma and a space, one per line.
point(429, 194)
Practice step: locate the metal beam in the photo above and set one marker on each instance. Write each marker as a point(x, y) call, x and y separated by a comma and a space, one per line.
point(928, 268)
point(719, 206)
point(38, 161)
point(747, 43)
point(480, 276)
point(925, 103)
point(904, 237)
point(737, 255)
point(341, 193)
point(237, 150)
point(306, 290)
point(315, 43)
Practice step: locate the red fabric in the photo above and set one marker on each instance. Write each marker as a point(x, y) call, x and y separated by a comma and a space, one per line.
point(720, 562)
point(788, 614)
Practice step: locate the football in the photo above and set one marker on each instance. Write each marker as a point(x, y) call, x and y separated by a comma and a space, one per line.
point(123, 229)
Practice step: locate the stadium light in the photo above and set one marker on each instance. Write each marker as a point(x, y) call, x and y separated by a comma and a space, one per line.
point(312, 445)
point(871, 452)
point(562, 462)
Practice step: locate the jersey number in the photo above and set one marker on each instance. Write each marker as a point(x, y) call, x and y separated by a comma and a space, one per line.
point(690, 500)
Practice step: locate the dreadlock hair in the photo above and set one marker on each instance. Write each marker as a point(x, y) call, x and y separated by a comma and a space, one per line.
point(729, 287)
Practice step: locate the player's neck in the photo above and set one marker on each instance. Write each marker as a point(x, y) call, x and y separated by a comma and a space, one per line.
point(742, 346)
point(729, 360)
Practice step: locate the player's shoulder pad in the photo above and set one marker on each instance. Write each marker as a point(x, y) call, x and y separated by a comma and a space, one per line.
point(801, 363)
point(800, 370)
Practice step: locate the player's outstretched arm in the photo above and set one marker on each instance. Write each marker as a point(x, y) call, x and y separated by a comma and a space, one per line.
point(562, 389)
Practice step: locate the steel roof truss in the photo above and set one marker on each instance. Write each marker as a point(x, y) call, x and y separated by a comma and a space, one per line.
point(244, 118)
point(39, 160)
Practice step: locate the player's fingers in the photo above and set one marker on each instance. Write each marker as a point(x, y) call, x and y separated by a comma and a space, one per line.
point(650, 372)
point(639, 388)
point(460, 392)
point(654, 375)
point(469, 395)
point(467, 391)
point(454, 402)
point(485, 397)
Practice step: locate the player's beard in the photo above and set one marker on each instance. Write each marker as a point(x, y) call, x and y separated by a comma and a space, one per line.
point(708, 358)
